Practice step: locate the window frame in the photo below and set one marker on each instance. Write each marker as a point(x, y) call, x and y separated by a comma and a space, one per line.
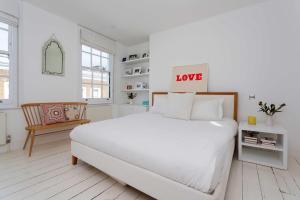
point(94, 101)
point(12, 53)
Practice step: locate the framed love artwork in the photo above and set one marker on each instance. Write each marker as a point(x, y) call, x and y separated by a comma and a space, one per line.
point(190, 78)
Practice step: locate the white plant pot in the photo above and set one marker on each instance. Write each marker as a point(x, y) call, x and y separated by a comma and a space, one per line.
point(269, 120)
point(130, 101)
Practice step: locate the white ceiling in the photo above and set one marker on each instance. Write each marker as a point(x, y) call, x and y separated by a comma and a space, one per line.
point(132, 21)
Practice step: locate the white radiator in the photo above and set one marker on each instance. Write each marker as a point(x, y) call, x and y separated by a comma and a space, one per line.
point(2, 128)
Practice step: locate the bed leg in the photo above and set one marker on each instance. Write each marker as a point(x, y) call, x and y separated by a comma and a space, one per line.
point(74, 160)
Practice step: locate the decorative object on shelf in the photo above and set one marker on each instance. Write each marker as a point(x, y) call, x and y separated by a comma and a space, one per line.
point(128, 72)
point(252, 120)
point(124, 59)
point(146, 103)
point(137, 70)
point(53, 58)
point(129, 87)
point(141, 85)
point(268, 141)
point(145, 55)
point(270, 111)
point(133, 57)
point(131, 96)
point(145, 70)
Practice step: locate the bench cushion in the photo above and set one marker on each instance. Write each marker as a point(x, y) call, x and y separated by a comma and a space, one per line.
point(72, 113)
point(52, 113)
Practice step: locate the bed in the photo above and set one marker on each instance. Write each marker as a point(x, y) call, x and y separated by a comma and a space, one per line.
point(165, 158)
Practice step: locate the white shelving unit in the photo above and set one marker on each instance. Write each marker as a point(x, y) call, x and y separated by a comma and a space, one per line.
point(273, 156)
point(136, 90)
point(136, 75)
point(133, 79)
point(135, 61)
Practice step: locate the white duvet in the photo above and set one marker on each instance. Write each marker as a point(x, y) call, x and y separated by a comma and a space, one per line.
point(188, 152)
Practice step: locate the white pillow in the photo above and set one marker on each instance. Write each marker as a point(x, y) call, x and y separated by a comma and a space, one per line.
point(160, 104)
point(179, 106)
point(207, 109)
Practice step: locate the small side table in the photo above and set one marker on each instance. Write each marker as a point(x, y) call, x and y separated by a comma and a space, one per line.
point(273, 156)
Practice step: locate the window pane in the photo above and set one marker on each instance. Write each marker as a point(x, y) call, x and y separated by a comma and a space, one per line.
point(106, 55)
point(96, 61)
point(4, 87)
point(97, 78)
point(3, 25)
point(4, 61)
point(86, 59)
point(106, 78)
point(106, 91)
point(86, 77)
point(86, 83)
point(86, 48)
point(4, 72)
point(105, 64)
point(86, 91)
point(97, 91)
point(3, 40)
point(96, 52)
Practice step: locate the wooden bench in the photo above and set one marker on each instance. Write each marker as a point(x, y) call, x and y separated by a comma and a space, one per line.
point(33, 116)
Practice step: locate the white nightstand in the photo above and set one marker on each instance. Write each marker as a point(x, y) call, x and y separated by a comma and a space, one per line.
point(273, 156)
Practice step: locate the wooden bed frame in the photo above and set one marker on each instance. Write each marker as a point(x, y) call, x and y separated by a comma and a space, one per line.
point(153, 184)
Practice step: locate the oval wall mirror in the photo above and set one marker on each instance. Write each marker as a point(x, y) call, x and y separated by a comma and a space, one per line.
point(53, 58)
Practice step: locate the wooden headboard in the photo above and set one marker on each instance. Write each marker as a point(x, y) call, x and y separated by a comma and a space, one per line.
point(230, 100)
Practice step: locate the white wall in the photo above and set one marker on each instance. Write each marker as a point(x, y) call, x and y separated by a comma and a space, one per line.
point(10, 6)
point(253, 50)
point(35, 27)
point(118, 71)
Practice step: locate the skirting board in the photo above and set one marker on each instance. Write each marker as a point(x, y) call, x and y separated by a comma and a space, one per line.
point(146, 181)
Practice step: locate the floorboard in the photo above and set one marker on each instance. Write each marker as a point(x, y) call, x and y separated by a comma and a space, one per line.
point(251, 185)
point(235, 182)
point(48, 174)
point(268, 183)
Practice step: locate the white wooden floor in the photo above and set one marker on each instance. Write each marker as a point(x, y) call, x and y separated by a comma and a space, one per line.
point(48, 174)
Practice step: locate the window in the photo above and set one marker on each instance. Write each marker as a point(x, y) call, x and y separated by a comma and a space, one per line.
point(96, 75)
point(8, 65)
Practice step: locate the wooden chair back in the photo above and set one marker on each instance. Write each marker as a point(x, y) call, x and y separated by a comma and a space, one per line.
point(33, 115)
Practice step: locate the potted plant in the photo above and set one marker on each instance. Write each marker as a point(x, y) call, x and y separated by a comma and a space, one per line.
point(270, 111)
point(131, 96)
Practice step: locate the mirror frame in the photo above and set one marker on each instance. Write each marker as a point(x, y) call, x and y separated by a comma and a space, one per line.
point(45, 47)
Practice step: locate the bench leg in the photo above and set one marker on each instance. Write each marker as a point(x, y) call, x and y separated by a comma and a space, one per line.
point(27, 138)
point(31, 143)
point(74, 160)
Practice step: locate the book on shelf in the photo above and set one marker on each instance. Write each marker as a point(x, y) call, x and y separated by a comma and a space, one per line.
point(250, 141)
point(265, 141)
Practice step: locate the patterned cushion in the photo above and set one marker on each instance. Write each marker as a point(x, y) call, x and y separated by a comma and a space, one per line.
point(72, 113)
point(52, 113)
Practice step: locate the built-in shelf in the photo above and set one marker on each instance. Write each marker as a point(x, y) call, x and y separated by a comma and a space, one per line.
point(263, 157)
point(136, 90)
point(135, 61)
point(278, 147)
point(136, 75)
